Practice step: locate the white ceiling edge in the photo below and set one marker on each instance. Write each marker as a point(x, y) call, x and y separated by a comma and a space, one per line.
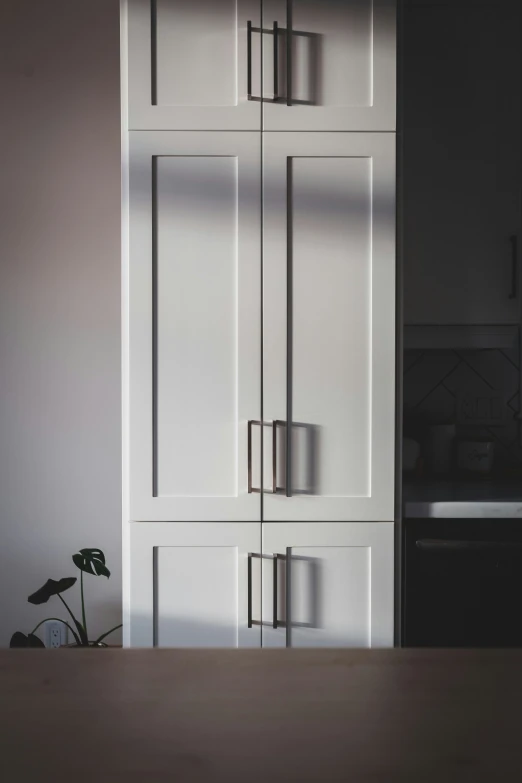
point(459, 337)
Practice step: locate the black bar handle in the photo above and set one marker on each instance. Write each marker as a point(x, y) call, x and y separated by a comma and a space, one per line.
point(249, 61)
point(513, 239)
point(275, 424)
point(447, 545)
point(250, 424)
point(249, 590)
point(288, 598)
point(275, 33)
point(275, 606)
point(288, 52)
point(276, 61)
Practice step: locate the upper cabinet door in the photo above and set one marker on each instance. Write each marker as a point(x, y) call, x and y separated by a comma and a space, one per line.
point(189, 64)
point(461, 183)
point(194, 326)
point(329, 326)
point(329, 65)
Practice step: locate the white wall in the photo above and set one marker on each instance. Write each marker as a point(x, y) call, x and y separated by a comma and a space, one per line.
point(60, 476)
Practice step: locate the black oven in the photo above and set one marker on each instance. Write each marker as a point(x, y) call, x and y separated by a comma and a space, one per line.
point(462, 583)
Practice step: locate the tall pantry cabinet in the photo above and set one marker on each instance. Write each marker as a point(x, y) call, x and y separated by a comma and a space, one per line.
point(259, 322)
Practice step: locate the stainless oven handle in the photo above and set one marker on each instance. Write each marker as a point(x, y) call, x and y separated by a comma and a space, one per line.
point(447, 545)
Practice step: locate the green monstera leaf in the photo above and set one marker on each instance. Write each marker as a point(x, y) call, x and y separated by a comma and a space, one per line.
point(91, 561)
point(19, 639)
point(50, 588)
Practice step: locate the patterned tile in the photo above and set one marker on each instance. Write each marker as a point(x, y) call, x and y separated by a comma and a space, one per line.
point(437, 384)
point(426, 374)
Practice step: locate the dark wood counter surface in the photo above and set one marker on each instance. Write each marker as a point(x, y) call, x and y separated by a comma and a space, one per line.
point(172, 715)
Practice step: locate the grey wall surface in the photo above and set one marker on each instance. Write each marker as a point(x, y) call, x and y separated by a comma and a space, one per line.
point(60, 474)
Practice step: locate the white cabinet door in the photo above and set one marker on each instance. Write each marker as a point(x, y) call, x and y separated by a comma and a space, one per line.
point(335, 585)
point(188, 64)
point(194, 325)
point(189, 585)
point(336, 69)
point(329, 326)
point(462, 163)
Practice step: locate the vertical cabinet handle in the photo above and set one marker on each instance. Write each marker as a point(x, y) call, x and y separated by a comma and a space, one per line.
point(251, 488)
point(275, 33)
point(275, 424)
point(288, 52)
point(249, 589)
point(275, 601)
point(288, 598)
point(249, 60)
point(274, 558)
point(513, 240)
point(275, 622)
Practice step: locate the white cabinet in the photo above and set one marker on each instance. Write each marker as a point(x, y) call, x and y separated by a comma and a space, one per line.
point(329, 326)
point(259, 322)
point(200, 585)
point(194, 320)
point(462, 163)
point(189, 585)
point(330, 64)
point(334, 585)
point(188, 64)
point(198, 65)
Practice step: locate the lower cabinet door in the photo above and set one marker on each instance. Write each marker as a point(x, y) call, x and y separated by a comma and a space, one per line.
point(193, 584)
point(328, 584)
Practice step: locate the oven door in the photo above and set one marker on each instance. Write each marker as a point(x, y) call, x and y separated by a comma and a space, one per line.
point(463, 583)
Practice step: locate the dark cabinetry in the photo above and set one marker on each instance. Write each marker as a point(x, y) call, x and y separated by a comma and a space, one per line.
point(462, 583)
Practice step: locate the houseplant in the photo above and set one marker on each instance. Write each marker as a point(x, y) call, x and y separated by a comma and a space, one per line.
point(89, 561)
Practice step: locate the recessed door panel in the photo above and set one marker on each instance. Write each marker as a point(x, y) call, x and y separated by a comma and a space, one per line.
point(204, 34)
point(196, 334)
point(331, 214)
point(197, 598)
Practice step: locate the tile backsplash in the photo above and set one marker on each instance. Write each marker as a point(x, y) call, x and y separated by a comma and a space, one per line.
point(479, 391)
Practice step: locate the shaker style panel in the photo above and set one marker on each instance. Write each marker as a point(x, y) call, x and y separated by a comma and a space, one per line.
point(194, 585)
point(329, 65)
point(192, 64)
point(194, 326)
point(328, 585)
point(329, 327)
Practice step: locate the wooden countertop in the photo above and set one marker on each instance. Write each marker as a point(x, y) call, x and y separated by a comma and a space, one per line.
point(248, 716)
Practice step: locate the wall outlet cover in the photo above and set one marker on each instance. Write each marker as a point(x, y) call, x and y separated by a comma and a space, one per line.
point(55, 634)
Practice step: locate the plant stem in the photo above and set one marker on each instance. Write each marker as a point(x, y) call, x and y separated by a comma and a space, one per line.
point(80, 628)
point(83, 606)
point(59, 620)
point(107, 633)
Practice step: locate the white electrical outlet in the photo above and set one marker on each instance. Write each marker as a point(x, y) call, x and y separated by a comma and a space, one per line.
point(55, 634)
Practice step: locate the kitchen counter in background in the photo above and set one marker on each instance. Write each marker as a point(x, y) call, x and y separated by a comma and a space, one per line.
point(458, 499)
